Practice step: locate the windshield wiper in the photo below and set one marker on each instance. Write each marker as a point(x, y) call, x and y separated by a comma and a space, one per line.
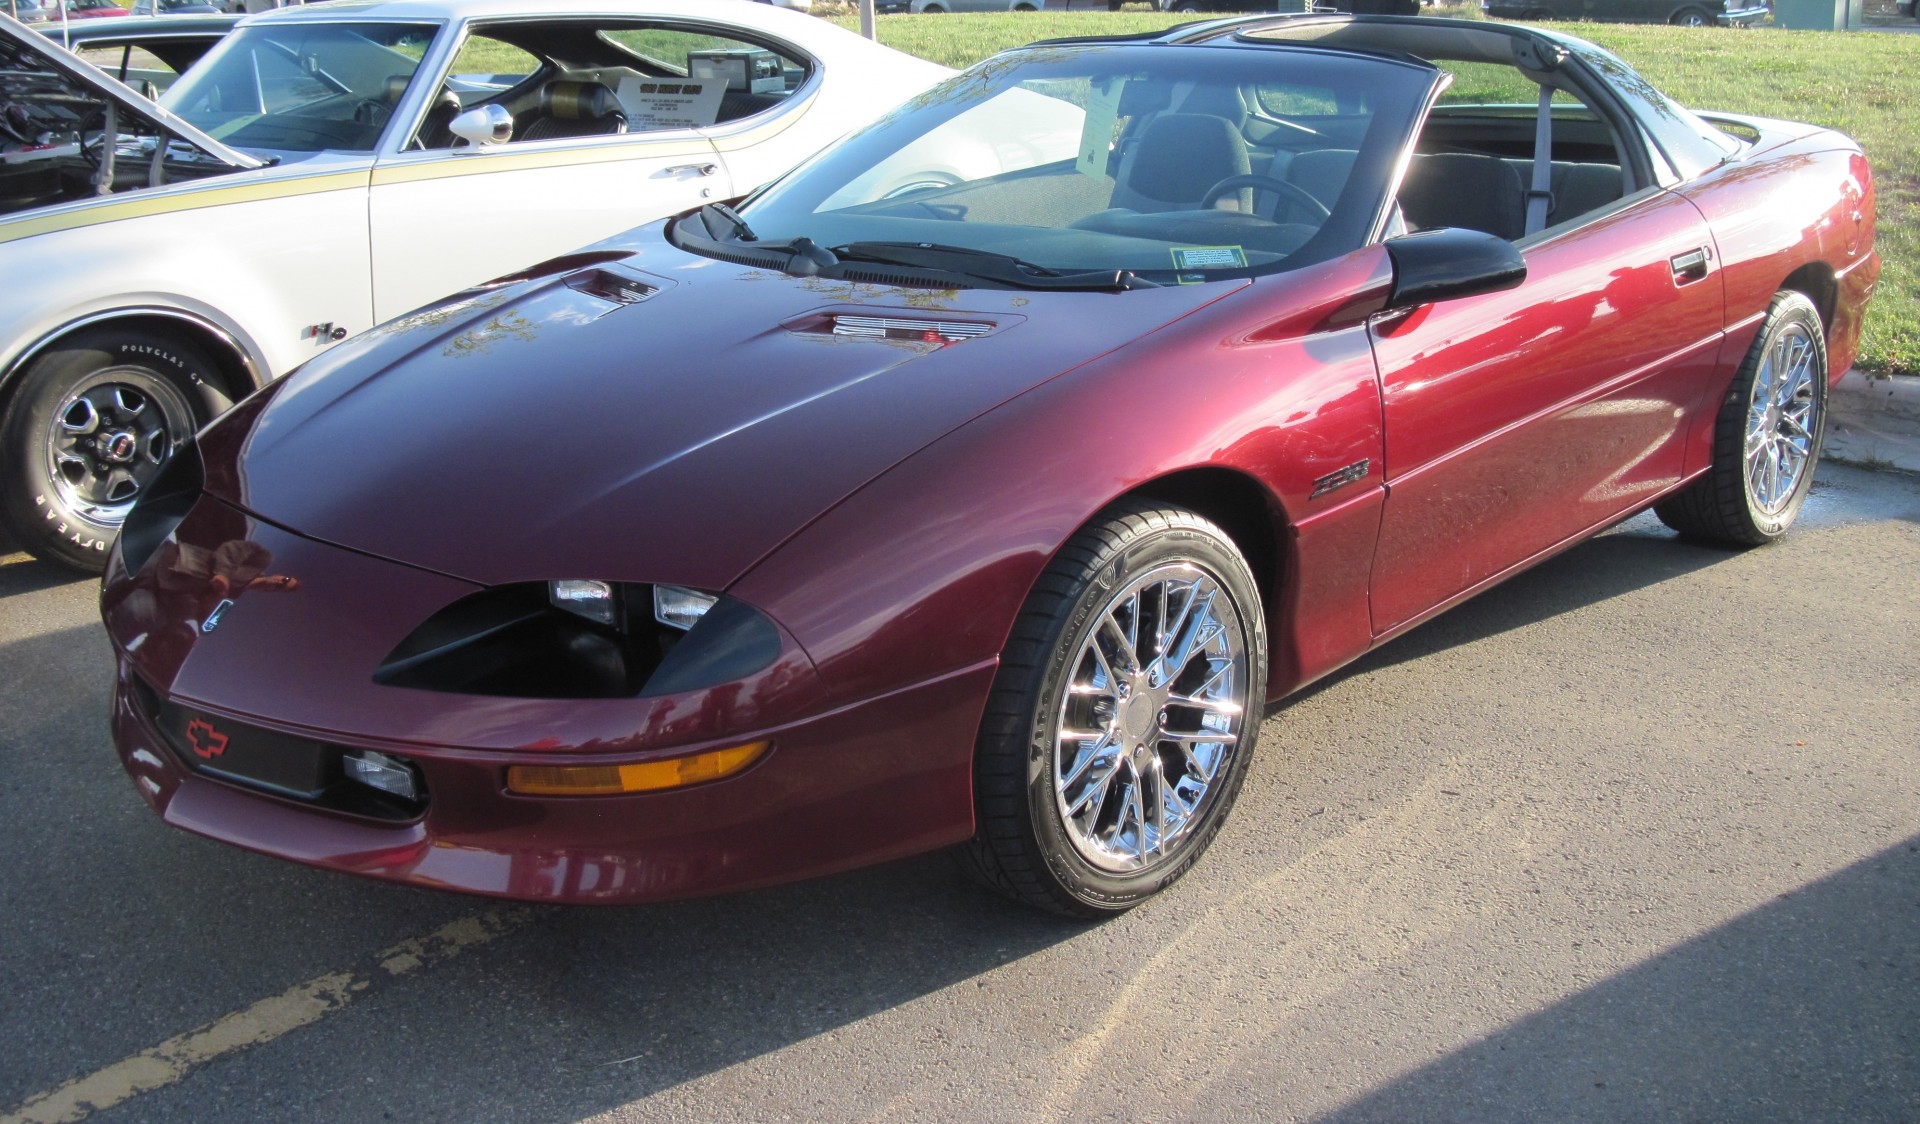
point(986, 265)
point(730, 220)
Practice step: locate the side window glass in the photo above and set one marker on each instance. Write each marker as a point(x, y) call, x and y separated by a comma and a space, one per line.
point(139, 68)
point(689, 78)
point(1474, 165)
point(611, 78)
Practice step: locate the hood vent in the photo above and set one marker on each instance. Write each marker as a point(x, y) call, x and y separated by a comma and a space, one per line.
point(901, 328)
point(610, 286)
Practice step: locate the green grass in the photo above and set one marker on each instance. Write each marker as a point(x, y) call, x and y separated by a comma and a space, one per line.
point(1862, 84)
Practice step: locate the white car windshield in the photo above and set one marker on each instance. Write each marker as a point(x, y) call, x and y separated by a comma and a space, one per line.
point(1163, 164)
point(302, 87)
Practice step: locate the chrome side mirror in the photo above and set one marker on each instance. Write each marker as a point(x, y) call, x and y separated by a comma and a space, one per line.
point(483, 125)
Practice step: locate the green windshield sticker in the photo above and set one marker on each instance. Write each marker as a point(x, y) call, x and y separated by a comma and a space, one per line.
point(1209, 257)
point(1096, 133)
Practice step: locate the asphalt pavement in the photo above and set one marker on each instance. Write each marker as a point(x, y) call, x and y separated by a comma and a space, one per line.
point(1633, 837)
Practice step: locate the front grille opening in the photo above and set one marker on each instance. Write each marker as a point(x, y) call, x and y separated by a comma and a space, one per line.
point(294, 768)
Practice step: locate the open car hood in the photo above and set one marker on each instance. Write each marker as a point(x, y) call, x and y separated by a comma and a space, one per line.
point(48, 98)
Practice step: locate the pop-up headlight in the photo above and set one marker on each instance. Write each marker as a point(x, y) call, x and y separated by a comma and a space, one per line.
point(680, 608)
point(596, 601)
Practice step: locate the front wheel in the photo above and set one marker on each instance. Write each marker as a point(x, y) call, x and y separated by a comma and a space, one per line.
point(84, 428)
point(1766, 438)
point(1123, 715)
point(1691, 17)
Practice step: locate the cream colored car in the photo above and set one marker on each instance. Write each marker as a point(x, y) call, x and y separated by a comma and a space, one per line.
point(329, 167)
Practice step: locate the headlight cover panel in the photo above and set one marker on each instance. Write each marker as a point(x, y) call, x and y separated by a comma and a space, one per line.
point(513, 641)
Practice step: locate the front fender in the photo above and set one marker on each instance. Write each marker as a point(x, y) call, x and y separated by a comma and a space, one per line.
point(924, 570)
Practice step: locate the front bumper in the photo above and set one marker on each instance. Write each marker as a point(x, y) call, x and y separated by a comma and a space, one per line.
point(289, 659)
point(855, 786)
point(1743, 17)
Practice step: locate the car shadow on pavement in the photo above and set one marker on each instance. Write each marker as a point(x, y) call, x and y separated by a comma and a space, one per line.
point(160, 932)
point(1638, 554)
point(21, 573)
point(1807, 1008)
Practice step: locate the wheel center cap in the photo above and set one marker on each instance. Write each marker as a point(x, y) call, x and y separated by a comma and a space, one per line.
point(118, 448)
point(1140, 716)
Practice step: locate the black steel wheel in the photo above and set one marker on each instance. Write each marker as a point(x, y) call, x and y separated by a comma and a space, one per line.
point(84, 428)
point(1767, 435)
point(1123, 715)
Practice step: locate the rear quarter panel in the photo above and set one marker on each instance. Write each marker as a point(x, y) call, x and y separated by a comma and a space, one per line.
point(1793, 203)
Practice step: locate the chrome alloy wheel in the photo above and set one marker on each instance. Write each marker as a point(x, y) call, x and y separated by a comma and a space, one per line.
point(1783, 419)
point(1151, 717)
point(108, 438)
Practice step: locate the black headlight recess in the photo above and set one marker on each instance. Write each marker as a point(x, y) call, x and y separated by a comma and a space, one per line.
point(516, 641)
point(167, 500)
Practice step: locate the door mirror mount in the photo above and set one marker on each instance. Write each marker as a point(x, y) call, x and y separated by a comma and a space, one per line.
point(1449, 263)
point(483, 125)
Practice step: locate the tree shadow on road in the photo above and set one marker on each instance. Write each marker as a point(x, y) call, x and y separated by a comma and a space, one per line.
point(1807, 1008)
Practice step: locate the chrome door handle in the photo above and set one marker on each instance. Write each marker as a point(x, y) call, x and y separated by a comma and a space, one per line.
point(703, 169)
point(1690, 266)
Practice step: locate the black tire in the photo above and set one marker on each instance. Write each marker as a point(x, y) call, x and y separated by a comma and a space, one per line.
point(1691, 17)
point(1184, 6)
point(64, 491)
point(1736, 503)
point(1030, 844)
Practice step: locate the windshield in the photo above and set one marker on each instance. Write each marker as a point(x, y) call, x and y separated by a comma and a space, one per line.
point(1163, 164)
point(302, 87)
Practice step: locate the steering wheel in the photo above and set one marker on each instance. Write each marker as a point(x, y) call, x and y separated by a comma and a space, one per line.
point(1290, 194)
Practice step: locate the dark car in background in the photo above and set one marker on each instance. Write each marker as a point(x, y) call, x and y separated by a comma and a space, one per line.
point(1684, 13)
point(1351, 7)
point(143, 52)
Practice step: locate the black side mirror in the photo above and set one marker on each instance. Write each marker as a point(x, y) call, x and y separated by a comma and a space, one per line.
point(1444, 264)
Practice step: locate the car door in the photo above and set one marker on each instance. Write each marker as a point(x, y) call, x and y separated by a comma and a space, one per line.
point(1518, 420)
point(445, 215)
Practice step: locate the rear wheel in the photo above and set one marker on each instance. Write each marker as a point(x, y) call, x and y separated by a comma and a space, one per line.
point(1123, 715)
point(85, 427)
point(1691, 17)
point(1767, 435)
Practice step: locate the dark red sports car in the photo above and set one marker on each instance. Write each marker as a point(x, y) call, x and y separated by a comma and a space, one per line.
point(980, 482)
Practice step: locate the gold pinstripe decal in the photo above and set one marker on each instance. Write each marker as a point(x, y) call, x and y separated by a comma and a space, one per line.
point(139, 206)
point(761, 133)
point(506, 161)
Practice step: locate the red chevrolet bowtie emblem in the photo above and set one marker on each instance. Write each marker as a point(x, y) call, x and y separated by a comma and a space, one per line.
point(205, 740)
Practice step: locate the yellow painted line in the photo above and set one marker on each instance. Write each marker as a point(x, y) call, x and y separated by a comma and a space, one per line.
point(15, 558)
point(263, 1022)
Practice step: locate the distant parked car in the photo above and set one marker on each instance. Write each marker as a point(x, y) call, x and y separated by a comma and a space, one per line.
point(1685, 13)
point(143, 52)
point(1352, 7)
point(935, 7)
point(27, 11)
point(94, 9)
point(176, 8)
point(325, 168)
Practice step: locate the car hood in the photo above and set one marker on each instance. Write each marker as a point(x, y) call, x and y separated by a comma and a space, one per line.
point(28, 51)
point(641, 414)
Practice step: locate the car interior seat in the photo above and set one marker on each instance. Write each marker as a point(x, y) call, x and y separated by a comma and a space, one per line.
point(574, 109)
point(1458, 189)
point(1176, 158)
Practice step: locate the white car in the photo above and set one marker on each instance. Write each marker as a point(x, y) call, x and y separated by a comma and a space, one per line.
point(326, 168)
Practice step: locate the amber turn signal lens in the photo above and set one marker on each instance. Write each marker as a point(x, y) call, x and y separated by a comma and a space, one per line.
point(648, 776)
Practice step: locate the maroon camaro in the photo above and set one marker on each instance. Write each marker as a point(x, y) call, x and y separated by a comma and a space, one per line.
point(981, 481)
